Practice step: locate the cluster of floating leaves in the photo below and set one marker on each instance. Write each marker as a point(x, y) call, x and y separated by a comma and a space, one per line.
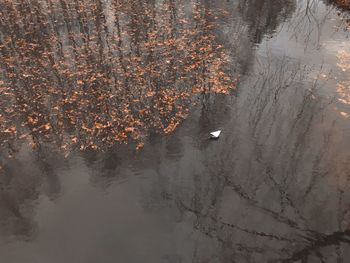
point(344, 4)
point(87, 74)
point(343, 87)
point(343, 55)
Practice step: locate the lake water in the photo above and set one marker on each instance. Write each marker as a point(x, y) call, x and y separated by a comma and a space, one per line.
point(106, 110)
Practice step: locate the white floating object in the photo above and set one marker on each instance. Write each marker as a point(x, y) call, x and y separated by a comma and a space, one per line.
point(215, 134)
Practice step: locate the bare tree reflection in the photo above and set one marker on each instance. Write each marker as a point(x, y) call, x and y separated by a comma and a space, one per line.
point(274, 188)
point(90, 74)
point(257, 197)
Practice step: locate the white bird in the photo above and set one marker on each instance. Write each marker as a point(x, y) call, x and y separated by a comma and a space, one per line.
point(215, 134)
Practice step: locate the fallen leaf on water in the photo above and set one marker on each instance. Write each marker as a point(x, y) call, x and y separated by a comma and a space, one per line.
point(344, 114)
point(47, 126)
point(130, 129)
point(11, 130)
point(140, 145)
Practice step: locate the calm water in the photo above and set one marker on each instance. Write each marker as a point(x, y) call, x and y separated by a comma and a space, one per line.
point(105, 112)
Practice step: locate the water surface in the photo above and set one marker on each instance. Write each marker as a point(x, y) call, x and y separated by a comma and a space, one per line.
point(105, 112)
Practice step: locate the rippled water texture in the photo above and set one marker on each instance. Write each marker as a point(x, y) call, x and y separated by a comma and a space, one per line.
point(105, 112)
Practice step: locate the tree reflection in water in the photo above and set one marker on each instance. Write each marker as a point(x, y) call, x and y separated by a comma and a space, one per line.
point(89, 74)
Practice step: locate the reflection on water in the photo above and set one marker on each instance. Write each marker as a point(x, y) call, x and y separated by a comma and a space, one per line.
point(342, 4)
point(273, 188)
point(343, 87)
point(93, 73)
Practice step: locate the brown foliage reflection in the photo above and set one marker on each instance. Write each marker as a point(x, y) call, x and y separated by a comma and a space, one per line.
point(343, 87)
point(344, 4)
point(87, 74)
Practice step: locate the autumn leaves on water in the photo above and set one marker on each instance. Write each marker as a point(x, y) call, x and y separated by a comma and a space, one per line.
point(87, 74)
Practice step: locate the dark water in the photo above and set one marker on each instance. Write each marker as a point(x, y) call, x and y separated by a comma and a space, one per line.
point(80, 79)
